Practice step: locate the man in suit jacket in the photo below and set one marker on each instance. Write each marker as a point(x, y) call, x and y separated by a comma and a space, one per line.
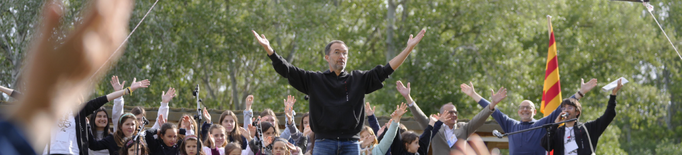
point(452, 131)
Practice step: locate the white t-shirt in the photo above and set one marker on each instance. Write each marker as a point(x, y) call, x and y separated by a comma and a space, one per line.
point(63, 139)
point(570, 146)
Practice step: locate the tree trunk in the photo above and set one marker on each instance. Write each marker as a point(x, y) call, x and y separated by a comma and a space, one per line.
point(290, 57)
point(390, 23)
point(235, 91)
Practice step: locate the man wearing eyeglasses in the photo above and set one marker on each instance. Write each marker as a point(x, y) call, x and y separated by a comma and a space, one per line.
point(575, 138)
point(452, 131)
point(527, 143)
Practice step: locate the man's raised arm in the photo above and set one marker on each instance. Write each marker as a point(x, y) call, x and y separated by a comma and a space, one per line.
point(263, 42)
point(400, 58)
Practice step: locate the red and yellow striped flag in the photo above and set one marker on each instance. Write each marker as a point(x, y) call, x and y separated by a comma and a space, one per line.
point(551, 92)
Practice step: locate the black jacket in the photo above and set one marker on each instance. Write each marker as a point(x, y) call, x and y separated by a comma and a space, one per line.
point(105, 143)
point(398, 147)
point(156, 146)
point(595, 129)
point(336, 102)
point(82, 132)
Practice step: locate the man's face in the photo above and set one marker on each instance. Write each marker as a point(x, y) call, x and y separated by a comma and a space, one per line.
point(526, 111)
point(338, 56)
point(572, 111)
point(453, 114)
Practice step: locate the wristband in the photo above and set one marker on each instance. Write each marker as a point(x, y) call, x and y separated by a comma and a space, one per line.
point(581, 94)
point(130, 91)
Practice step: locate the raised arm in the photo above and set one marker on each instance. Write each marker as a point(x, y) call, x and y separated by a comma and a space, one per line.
point(6, 90)
point(469, 90)
point(584, 88)
point(501, 118)
point(480, 118)
point(371, 119)
point(386, 142)
point(206, 125)
point(414, 108)
point(263, 42)
point(411, 43)
point(601, 123)
point(290, 127)
point(117, 110)
point(298, 78)
point(134, 86)
point(166, 97)
point(248, 113)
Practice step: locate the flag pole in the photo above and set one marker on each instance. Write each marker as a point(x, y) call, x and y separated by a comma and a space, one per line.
point(549, 26)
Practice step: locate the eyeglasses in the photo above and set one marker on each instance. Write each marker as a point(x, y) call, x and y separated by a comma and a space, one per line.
point(567, 108)
point(525, 108)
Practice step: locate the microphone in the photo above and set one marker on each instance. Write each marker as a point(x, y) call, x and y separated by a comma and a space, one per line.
point(145, 121)
point(195, 93)
point(497, 134)
point(564, 115)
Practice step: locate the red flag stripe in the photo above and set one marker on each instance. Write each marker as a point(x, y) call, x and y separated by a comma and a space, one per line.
point(551, 66)
point(551, 93)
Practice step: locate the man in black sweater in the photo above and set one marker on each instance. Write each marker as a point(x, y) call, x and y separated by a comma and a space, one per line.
point(575, 138)
point(336, 96)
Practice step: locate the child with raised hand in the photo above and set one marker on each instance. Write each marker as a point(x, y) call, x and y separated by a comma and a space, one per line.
point(413, 144)
point(216, 142)
point(368, 139)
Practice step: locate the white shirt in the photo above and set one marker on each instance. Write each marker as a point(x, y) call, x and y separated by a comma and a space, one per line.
point(63, 139)
point(450, 136)
point(116, 112)
point(570, 147)
point(163, 110)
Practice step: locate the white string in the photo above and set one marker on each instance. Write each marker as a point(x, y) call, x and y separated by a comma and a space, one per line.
point(126, 40)
point(666, 35)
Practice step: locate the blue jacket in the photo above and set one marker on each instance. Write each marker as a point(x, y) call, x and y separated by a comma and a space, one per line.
point(527, 143)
